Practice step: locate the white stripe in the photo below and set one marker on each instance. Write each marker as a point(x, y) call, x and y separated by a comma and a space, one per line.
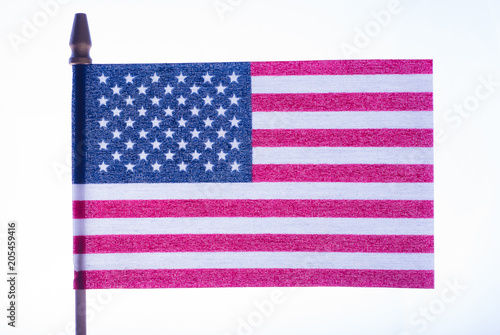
point(343, 83)
point(246, 260)
point(348, 191)
point(342, 155)
point(341, 120)
point(351, 226)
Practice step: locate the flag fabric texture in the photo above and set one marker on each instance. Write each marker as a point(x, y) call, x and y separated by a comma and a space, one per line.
point(305, 173)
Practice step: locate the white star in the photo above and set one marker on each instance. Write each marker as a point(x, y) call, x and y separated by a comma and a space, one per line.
point(222, 155)
point(102, 79)
point(208, 144)
point(130, 167)
point(103, 167)
point(195, 133)
point(142, 134)
point(116, 89)
point(208, 100)
point(234, 77)
point(155, 78)
point(182, 144)
point(182, 100)
point(156, 122)
point(168, 89)
point(143, 155)
point(182, 122)
point(194, 89)
point(103, 123)
point(142, 89)
point(129, 100)
point(155, 101)
point(130, 123)
point(235, 144)
point(235, 166)
point(103, 145)
point(116, 156)
point(142, 111)
point(182, 166)
point(208, 122)
point(195, 110)
point(169, 155)
point(129, 78)
point(169, 133)
point(116, 133)
point(156, 166)
point(234, 99)
point(116, 111)
point(102, 101)
point(220, 88)
point(234, 122)
point(181, 78)
point(222, 132)
point(168, 111)
point(130, 144)
point(207, 78)
point(196, 155)
point(156, 144)
point(208, 166)
point(221, 111)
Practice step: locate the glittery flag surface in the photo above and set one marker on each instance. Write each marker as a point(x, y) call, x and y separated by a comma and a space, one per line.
point(306, 173)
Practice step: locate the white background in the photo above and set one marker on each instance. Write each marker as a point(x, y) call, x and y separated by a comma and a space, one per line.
point(35, 186)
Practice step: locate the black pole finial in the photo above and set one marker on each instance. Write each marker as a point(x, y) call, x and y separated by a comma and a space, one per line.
point(79, 41)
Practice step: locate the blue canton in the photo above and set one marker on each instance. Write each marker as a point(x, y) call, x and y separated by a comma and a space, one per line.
point(157, 123)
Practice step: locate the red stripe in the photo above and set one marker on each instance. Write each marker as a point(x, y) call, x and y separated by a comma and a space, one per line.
point(253, 208)
point(342, 137)
point(252, 242)
point(177, 278)
point(342, 67)
point(405, 101)
point(343, 173)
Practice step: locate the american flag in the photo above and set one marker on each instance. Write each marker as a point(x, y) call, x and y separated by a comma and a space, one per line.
point(305, 173)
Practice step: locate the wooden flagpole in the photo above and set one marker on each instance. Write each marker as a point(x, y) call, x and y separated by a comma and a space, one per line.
point(79, 41)
point(80, 45)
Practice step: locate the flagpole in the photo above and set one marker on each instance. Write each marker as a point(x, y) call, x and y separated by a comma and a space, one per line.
point(80, 45)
